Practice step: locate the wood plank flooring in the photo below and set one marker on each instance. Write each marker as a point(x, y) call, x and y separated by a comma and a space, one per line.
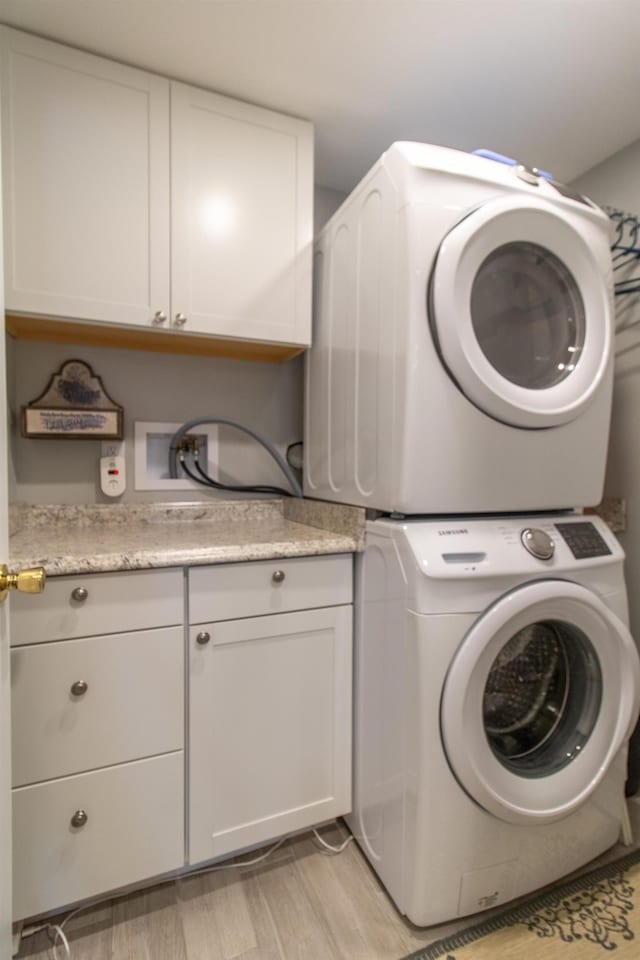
point(301, 904)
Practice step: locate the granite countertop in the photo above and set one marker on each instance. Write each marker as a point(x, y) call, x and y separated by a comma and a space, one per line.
point(108, 537)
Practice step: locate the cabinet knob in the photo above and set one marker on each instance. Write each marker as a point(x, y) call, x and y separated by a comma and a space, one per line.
point(79, 818)
point(278, 576)
point(180, 320)
point(159, 318)
point(203, 637)
point(80, 594)
point(79, 688)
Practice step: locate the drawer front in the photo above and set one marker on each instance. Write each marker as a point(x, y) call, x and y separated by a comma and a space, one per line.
point(134, 830)
point(233, 590)
point(82, 606)
point(81, 704)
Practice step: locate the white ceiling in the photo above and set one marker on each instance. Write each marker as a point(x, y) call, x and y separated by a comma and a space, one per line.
point(553, 82)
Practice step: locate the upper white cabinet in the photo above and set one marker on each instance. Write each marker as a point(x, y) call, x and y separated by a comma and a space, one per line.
point(241, 218)
point(85, 156)
point(133, 200)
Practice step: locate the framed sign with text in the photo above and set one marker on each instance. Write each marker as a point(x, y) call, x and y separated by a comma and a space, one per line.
point(75, 405)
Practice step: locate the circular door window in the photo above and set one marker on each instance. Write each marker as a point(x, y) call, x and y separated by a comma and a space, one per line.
point(528, 315)
point(540, 696)
point(520, 312)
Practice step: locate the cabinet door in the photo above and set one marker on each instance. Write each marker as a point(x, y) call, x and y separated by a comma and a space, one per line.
point(270, 727)
point(85, 154)
point(241, 195)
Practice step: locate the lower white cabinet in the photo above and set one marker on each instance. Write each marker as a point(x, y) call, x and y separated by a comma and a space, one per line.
point(98, 720)
point(98, 736)
point(95, 701)
point(270, 727)
point(80, 836)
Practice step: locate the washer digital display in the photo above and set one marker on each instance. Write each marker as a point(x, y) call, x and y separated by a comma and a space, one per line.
point(583, 540)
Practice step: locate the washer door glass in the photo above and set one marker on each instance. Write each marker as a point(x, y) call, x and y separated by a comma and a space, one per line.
point(519, 308)
point(539, 698)
point(528, 315)
point(542, 698)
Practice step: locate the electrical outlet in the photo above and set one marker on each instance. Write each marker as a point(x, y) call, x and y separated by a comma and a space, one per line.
point(112, 448)
point(113, 479)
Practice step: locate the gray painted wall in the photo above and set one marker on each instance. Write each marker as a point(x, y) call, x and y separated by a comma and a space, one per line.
point(151, 386)
point(616, 183)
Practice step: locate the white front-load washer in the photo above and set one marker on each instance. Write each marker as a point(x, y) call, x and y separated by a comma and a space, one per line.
point(462, 341)
point(496, 686)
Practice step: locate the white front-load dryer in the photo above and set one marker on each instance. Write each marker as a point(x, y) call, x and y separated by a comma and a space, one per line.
point(496, 686)
point(462, 341)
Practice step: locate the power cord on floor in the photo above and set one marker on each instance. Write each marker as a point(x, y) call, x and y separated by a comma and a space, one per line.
point(328, 846)
point(57, 929)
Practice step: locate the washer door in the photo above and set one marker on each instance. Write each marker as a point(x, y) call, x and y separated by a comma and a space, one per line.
point(539, 698)
point(520, 313)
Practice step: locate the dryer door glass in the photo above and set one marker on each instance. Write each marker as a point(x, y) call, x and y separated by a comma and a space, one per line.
point(519, 307)
point(542, 698)
point(528, 315)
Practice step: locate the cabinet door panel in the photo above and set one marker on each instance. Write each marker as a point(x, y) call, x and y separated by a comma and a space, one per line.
point(134, 830)
point(86, 180)
point(84, 605)
point(227, 591)
point(131, 707)
point(241, 218)
point(270, 727)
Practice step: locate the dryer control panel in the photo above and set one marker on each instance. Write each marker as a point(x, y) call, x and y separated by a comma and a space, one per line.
point(583, 540)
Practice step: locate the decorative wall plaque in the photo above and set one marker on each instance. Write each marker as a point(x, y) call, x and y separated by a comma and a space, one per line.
point(74, 404)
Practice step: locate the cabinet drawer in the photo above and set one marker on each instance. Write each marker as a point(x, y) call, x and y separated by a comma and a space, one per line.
point(134, 830)
point(132, 706)
point(234, 590)
point(82, 606)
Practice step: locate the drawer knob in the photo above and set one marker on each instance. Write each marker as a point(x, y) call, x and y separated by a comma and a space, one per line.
point(158, 318)
point(80, 594)
point(203, 637)
point(180, 320)
point(278, 576)
point(79, 818)
point(79, 688)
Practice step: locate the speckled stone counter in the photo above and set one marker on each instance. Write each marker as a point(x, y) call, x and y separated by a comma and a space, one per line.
point(106, 537)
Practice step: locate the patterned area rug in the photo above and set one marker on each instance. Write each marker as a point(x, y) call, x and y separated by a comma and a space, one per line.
point(590, 917)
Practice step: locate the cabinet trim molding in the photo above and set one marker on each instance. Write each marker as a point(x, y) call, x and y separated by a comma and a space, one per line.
point(141, 338)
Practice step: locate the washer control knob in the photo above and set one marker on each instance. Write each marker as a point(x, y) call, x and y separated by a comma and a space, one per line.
point(538, 543)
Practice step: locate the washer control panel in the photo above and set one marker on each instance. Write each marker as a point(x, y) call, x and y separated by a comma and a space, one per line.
point(538, 543)
point(583, 540)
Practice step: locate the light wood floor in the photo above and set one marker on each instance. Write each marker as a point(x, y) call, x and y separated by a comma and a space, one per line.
point(300, 904)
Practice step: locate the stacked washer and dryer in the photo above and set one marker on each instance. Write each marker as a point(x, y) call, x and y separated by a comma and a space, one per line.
point(459, 386)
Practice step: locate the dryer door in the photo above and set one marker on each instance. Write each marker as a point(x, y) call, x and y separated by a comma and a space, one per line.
point(521, 313)
point(539, 698)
